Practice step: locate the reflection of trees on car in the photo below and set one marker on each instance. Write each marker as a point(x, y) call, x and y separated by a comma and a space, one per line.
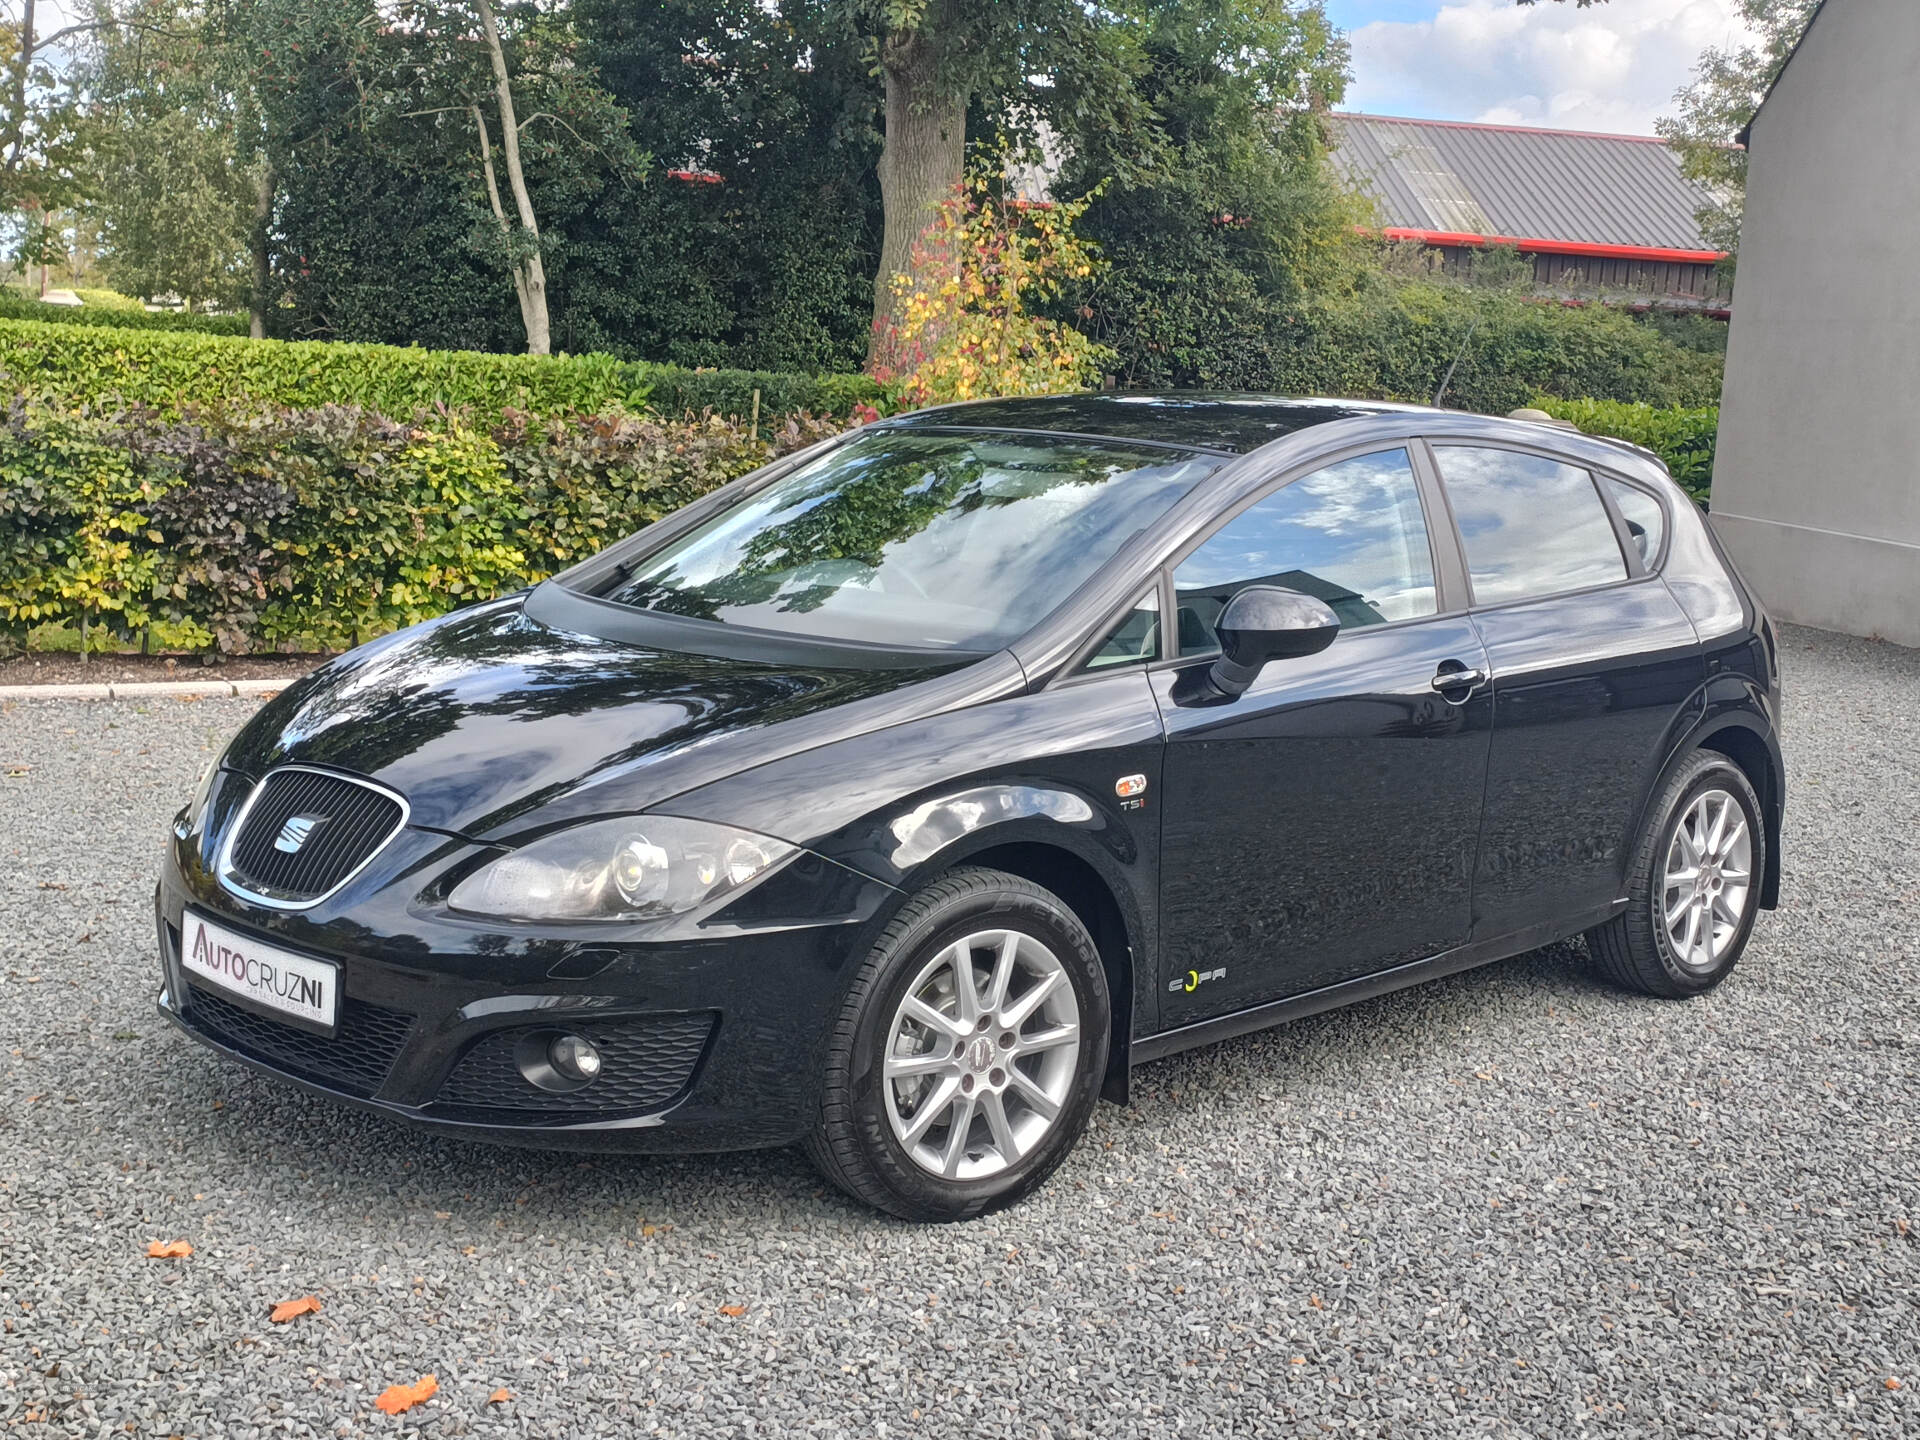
point(841, 526)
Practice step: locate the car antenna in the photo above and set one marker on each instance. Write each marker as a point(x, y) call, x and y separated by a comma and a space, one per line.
point(1461, 354)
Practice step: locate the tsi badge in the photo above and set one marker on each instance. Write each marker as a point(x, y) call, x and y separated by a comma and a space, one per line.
point(1191, 980)
point(1132, 790)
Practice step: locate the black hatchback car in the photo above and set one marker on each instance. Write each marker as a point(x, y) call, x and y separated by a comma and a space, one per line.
point(898, 798)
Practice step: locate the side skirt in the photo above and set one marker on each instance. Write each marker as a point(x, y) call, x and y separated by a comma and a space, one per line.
point(1332, 997)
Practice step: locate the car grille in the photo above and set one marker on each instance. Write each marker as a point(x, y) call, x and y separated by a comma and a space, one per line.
point(644, 1064)
point(356, 1060)
point(352, 820)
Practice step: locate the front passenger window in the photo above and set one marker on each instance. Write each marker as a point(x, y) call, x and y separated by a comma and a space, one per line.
point(1353, 535)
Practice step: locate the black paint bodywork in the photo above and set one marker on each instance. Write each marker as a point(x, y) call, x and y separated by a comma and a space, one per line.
point(1341, 829)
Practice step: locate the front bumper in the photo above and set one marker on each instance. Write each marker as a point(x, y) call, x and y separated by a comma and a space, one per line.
point(710, 1041)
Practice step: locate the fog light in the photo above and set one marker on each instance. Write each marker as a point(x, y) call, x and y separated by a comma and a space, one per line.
point(574, 1057)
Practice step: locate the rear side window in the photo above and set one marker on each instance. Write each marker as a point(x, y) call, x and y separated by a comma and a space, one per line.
point(1353, 535)
point(1646, 521)
point(1531, 526)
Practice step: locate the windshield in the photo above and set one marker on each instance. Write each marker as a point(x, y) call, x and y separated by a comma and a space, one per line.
point(916, 538)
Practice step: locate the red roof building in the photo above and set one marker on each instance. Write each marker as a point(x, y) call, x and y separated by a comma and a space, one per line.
point(1602, 216)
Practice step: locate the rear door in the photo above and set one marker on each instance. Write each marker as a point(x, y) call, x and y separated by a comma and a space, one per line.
point(1591, 659)
point(1322, 825)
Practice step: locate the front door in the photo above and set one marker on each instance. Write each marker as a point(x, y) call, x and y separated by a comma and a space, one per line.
point(1323, 825)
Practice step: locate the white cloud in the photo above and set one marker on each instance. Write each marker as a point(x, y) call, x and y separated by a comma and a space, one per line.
point(1611, 67)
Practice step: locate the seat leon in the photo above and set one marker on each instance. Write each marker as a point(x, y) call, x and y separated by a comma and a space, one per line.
point(896, 799)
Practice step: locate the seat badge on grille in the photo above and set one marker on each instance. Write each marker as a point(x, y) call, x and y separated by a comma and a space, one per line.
point(296, 833)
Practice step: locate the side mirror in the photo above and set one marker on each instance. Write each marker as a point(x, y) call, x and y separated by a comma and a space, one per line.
point(1262, 623)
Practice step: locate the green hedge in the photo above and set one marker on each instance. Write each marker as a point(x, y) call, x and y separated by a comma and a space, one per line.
point(20, 307)
point(1683, 438)
point(173, 372)
point(1395, 341)
point(260, 529)
point(1397, 344)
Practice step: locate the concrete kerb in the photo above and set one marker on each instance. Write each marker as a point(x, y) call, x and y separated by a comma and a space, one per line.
point(148, 690)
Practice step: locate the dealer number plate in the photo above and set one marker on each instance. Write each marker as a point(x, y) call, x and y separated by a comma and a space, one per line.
point(304, 990)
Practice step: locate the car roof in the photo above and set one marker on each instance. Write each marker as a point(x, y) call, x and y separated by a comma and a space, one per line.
point(1207, 420)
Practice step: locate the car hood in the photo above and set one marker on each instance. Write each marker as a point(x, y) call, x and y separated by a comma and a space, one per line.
point(494, 726)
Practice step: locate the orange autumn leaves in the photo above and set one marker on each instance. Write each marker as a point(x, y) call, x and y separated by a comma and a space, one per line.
point(396, 1398)
point(393, 1400)
point(966, 327)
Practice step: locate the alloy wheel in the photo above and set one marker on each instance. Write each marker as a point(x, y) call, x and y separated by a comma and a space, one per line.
point(981, 1055)
point(1706, 882)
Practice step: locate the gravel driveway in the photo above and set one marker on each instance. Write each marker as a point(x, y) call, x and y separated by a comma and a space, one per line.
point(1511, 1202)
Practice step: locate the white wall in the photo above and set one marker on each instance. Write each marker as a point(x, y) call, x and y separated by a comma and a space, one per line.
point(1816, 485)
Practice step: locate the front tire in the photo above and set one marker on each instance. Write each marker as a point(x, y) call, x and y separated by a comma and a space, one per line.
point(1694, 888)
point(968, 1053)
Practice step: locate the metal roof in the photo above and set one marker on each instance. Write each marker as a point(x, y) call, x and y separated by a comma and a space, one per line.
point(1569, 191)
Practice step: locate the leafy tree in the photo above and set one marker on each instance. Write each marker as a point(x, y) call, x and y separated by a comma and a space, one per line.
point(1015, 60)
point(754, 240)
point(1727, 88)
point(382, 123)
point(966, 327)
point(171, 195)
point(39, 127)
point(1220, 208)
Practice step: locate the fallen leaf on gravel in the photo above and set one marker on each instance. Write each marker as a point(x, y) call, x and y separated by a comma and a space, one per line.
point(396, 1398)
point(500, 1397)
point(170, 1250)
point(292, 1309)
point(734, 1310)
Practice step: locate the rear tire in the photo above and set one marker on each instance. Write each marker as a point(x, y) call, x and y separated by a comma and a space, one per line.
point(968, 1053)
point(1694, 886)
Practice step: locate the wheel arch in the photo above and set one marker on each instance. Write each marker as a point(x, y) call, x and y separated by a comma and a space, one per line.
point(1091, 897)
point(1741, 737)
point(1757, 760)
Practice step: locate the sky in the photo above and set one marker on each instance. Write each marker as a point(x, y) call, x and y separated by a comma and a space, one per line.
point(1611, 67)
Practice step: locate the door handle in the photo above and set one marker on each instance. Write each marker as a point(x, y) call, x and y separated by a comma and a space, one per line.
point(1452, 675)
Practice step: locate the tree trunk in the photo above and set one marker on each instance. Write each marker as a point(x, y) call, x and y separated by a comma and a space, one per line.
point(530, 275)
point(262, 215)
point(500, 214)
point(920, 161)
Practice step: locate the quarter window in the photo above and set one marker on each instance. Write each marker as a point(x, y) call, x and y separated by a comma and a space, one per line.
point(1646, 521)
point(1135, 640)
point(1531, 526)
point(1353, 535)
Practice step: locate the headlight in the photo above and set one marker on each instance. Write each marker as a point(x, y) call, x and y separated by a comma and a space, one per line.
point(634, 868)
